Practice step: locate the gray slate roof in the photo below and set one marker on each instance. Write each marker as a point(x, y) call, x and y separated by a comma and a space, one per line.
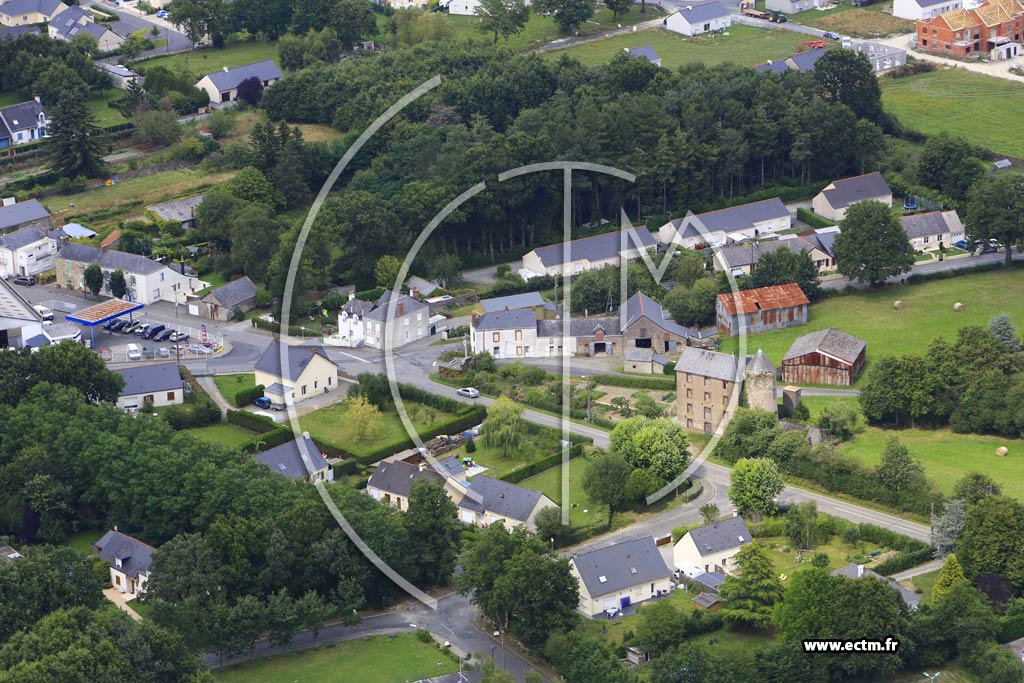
point(778, 67)
point(287, 459)
point(714, 538)
point(398, 477)
point(501, 498)
point(850, 571)
point(739, 255)
point(110, 259)
point(929, 3)
point(379, 310)
point(22, 237)
point(621, 565)
point(705, 12)
point(760, 364)
point(507, 320)
point(849, 191)
point(513, 301)
point(596, 248)
point(150, 379)
point(233, 293)
point(925, 224)
point(642, 306)
point(15, 32)
point(15, 7)
point(297, 358)
point(580, 327)
point(646, 52)
point(14, 306)
point(831, 341)
point(71, 21)
point(706, 363)
point(22, 212)
point(135, 556)
point(180, 210)
point(805, 61)
point(228, 80)
point(740, 217)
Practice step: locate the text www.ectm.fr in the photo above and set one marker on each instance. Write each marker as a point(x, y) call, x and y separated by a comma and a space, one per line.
point(863, 645)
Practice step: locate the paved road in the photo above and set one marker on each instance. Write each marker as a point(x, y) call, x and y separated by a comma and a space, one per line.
point(931, 267)
point(131, 20)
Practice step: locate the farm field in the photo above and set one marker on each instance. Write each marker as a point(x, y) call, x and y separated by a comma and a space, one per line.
point(540, 29)
point(858, 22)
point(201, 62)
point(380, 659)
point(330, 426)
point(744, 45)
point(960, 102)
point(928, 313)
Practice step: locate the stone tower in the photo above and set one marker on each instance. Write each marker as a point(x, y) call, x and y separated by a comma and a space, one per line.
point(759, 377)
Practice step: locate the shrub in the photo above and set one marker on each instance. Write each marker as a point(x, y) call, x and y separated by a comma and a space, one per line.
point(267, 440)
point(652, 383)
point(256, 423)
point(423, 635)
point(812, 219)
point(202, 412)
point(246, 396)
point(346, 467)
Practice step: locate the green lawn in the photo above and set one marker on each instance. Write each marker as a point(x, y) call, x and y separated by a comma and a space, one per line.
point(927, 313)
point(536, 446)
point(924, 583)
point(330, 426)
point(229, 385)
point(582, 510)
point(225, 434)
point(947, 456)
point(743, 45)
point(202, 62)
point(960, 102)
point(380, 659)
point(105, 115)
point(540, 29)
point(83, 540)
point(785, 561)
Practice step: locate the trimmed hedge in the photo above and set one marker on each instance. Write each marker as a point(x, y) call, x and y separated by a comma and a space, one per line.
point(202, 412)
point(534, 284)
point(246, 396)
point(812, 219)
point(260, 324)
point(653, 383)
point(256, 423)
point(270, 439)
point(346, 467)
point(370, 294)
point(410, 392)
point(903, 561)
point(1010, 628)
point(538, 466)
point(957, 272)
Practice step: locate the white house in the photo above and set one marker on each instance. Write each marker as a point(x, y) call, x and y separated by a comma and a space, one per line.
point(933, 230)
point(711, 548)
point(307, 372)
point(757, 219)
point(147, 280)
point(586, 253)
point(75, 21)
point(505, 334)
point(19, 321)
point(409, 321)
point(694, 20)
point(156, 385)
point(463, 7)
point(620, 575)
point(222, 86)
point(27, 251)
point(297, 461)
point(129, 560)
point(923, 9)
point(839, 195)
point(23, 123)
point(350, 332)
point(790, 6)
point(28, 12)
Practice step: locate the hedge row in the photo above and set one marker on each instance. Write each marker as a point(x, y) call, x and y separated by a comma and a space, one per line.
point(1010, 628)
point(261, 324)
point(346, 467)
point(507, 287)
point(246, 396)
point(652, 383)
point(256, 423)
point(201, 412)
point(903, 561)
point(957, 272)
point(411, 392)
point(538, 466)
point(370, 294)
point(267, 440)
point(812, 219)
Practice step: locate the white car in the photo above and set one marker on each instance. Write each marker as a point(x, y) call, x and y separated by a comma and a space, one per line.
point(468, 392)
point(134, 353)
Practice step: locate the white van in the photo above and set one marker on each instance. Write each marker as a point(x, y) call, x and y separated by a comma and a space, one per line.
point(133, 352)
point(44, 312)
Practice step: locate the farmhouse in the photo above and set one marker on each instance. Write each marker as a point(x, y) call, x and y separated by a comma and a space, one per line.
point(27, 251)
point(620, 575)
point(858, 571)
point(129, 560)
point(586, 336)
point(587, 253)
point(824, 357)
point(227, 301)
point(839, 195)
point(647, 328)
point(28, 12)
point(933, 230)
point(307, 372)
point(762, 309)
point(23, 123)
point(147, 280)
point(297, 461)
point(923, 9)
point(713, 227)
point(711, 548)
point(705, 383)
point(694, 20)
point(505, 334)
point(150, 386)
point(222, 86)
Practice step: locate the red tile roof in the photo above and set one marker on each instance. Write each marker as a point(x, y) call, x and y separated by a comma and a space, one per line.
point(763, 299)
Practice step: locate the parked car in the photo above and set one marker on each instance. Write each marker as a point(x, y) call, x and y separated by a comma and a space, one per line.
point(131, 327)
point(468, 392)
point(961, 244)
point(44, 312)
point(277, 406)
point(148, 352)
point(116, 325)
point(134, 352)
point(832, 36)
point(177, 336)
point(199, 350)
point(163, 352)
point(262, 402)
point(163, 14)
point(153, 331)
point(110, 324)
point(27, 280)
point(142, 329)
point(163, 335)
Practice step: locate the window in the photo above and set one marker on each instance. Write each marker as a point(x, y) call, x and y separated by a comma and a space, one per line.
point(689, 407)
point(315, 383)
point(303, 389)
point(329, 381)
point(148, 398)
point(496, 336)
point(519, 335)
point(725, 385)
point(689, 393)
point(707, 395)
point(687, 378)
point(519, 350)
point(927, 238)
point(707, 381)
point(496, 351)
point(526, 350)
point(689, 423)
point(170, 395)
point(707, 413)
point(161, 277)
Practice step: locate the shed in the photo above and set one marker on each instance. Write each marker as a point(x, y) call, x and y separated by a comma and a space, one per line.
point(827, 356)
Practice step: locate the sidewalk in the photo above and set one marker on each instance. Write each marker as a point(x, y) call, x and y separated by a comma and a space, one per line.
point(115, 596)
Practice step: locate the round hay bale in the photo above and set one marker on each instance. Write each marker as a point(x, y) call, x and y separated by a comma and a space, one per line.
point(898, 304)
point(1002, 451)
point(958, 307)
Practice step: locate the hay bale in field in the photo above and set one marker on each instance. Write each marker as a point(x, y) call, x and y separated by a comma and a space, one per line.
point(958, 307)
point(898, 304)
point(1002, 451)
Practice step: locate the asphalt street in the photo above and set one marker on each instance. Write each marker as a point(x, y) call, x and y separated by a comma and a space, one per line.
point(131, 20)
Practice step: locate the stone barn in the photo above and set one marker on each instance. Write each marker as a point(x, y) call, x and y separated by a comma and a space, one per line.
point(825, 357)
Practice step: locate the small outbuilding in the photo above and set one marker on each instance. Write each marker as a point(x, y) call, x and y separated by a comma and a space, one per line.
point(828, 356)
point(235, 298)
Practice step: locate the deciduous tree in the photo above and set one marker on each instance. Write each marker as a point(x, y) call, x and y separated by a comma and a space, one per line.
point(433, 521)
point(754, 483)
point(568, 14)
point(604, 481)
point(503, 427)
point(995, 210)
point(872, 246)
point(118, 285)
point(94, 278)
point(502, 17)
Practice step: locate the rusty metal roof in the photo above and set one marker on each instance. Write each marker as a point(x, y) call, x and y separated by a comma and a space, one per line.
point(763, 299)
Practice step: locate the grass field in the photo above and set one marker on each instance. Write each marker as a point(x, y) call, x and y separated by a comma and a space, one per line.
point(959, 102)
point(540, 29)
point(224, 434)
point(229, 385)
point(330, 426)
point(928, 313)
point(83, 540)
point(582, 510)
point(535, 446)
point(924, 583)
point(744, 45)
point(785, 562)
point(380, 659)
point(859, 22)
point(202, 62)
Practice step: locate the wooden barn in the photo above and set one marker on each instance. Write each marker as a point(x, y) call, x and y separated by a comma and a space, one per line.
point(825, 357)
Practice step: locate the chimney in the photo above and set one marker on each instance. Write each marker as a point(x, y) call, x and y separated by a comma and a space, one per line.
point(506, 307)
point(860, 571)
point(36, 98)
point(400, 309)
point(415, 294)
point(472, 318)
point(351, 295)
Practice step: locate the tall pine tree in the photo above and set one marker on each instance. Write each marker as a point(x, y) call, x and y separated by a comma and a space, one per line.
point(751, 595)
point(79, 144)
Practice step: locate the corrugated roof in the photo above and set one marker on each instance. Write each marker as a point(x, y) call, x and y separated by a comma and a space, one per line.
point(287, 459)
point(849, 191)
point(830, 341)
point(714, 538)
point(136, 556)
point(97, 313)
point(763, 299)
point(595, 248)
point(621, 565)
point(150, 379)
point(229, 79)
point(706, 363)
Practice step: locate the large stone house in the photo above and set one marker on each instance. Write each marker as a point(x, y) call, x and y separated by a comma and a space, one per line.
point(705, 384)
point(620, 575)
point(307, 372)
point(711, 548)
point(505, 333)
point(646, 327)
point(147, 280)
point(235, 298)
